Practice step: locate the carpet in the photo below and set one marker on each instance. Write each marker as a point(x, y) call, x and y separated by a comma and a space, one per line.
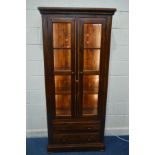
point(114, 146)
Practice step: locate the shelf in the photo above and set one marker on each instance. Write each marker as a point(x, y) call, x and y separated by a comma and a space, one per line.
point(69, 93)
point(55, 48)
point(62, 72)
point(60, 112)
point(91, 48)
point(91, 72)
point(62, 92)
point(89, 92)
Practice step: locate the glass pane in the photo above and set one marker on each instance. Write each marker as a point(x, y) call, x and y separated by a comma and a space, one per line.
point(62, 35)
point(62, 59)
point(91, 59)
point(92, 35)
point(63, 105)
point(90, 83)
point(62, 84)
point(90, 104)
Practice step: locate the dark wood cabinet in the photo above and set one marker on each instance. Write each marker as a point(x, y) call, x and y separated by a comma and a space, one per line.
point(76, 45)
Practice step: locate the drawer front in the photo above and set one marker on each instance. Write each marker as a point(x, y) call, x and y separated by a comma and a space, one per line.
point(76, 127)
point(76, 138)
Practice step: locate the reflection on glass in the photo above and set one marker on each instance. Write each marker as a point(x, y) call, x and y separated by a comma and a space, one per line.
point(90, 83)
point(62, 84)
point(91, 59)
point(62, 35)
point(62, 59)
point(90, 104)
point(63, 105)
point(92, 35)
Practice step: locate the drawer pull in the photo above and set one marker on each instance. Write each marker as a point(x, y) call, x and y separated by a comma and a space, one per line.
point(89, 128)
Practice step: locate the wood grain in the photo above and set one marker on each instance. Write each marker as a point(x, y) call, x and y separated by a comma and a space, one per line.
point(61, 35)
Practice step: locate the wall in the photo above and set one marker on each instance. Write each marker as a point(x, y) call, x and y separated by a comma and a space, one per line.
point(118, 96)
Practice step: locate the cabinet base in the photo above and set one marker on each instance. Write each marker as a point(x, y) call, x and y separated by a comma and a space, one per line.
point(75, 147)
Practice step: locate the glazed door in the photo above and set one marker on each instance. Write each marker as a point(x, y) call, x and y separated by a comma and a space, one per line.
point(61, 33)
point(92, 40)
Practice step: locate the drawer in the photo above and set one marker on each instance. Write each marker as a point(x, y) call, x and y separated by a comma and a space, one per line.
point(76, 138)
point(76, 127)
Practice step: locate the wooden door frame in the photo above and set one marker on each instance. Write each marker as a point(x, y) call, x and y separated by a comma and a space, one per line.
point(82, 21)
point(50, 21)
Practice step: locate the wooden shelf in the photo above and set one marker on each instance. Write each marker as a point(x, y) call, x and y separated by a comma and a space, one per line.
point(62, 72)
point(91, 48)
point(61, 112)
point(54, 48)
point(91, 72)
point(62, 92)
point(89, 92)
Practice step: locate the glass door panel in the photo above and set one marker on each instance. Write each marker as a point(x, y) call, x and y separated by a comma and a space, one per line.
point(62, 84)
point(62, 59)
point(90, 83)
point(62, 35)
point(63, 64)
point(92, 35)
point(90, 104)
point(63, 105)
point(91, 59)
point(90, 94)
point(90, 51)
point(63, 95)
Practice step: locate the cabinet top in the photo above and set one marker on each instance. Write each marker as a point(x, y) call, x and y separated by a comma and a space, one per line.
point(64, 10)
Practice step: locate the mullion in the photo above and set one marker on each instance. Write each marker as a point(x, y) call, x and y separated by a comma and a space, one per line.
point(60, 72)
point(61, 48)
point(91, 72)
point(92, 48)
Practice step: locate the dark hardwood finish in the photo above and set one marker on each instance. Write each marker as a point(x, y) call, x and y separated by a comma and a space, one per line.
point(68, 127)
point(76, 45)
point(76, 147)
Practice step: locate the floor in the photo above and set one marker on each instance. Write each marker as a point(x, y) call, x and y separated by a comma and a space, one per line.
point(114, 146)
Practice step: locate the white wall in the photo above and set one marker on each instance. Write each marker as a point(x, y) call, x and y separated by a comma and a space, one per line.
point(118, 95)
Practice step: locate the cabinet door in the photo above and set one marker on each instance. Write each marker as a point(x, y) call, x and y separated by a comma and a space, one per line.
point(92, 40)
point(61, 44)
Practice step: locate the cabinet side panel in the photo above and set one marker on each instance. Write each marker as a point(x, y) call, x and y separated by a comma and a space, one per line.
point(48, 84)
point(106, 72)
